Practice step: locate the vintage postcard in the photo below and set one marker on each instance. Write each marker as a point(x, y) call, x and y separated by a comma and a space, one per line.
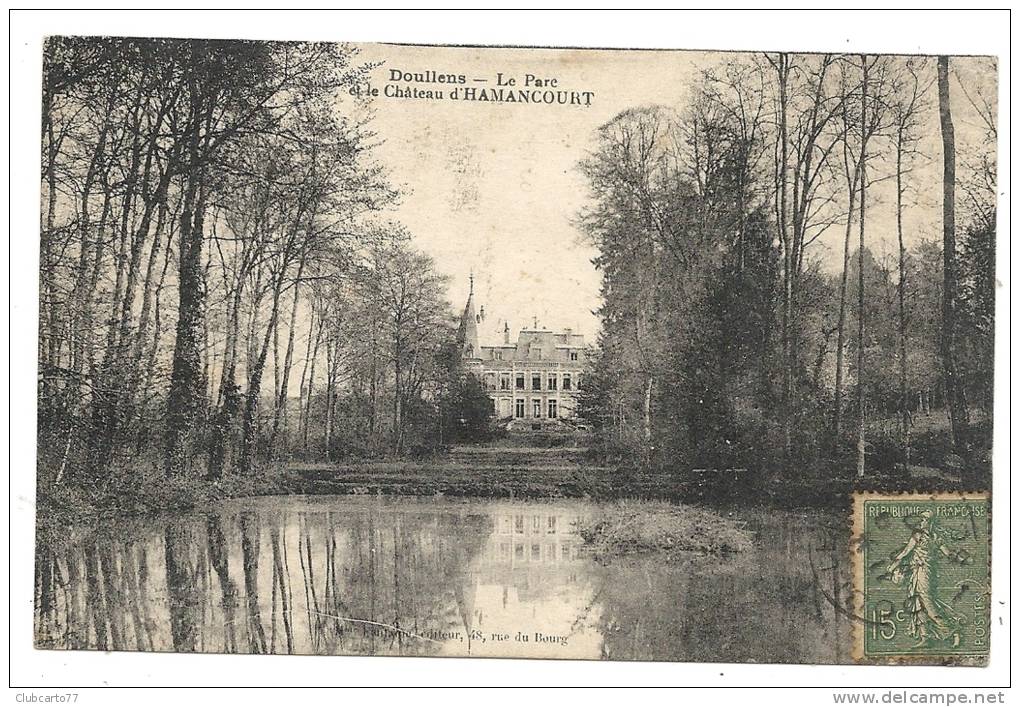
point(480, 351)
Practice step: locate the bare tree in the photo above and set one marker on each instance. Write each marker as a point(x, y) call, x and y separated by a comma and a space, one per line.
point(806, 106)
point(409, 292)
point(906, 122)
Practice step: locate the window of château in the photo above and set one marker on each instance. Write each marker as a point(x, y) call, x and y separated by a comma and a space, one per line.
point(552, 409)
point(536, 381)
point(566, 381)
point(552, 382)
point(573, 355)
point(520, 381)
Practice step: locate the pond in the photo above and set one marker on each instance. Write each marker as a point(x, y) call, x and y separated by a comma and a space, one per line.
point(447, 577)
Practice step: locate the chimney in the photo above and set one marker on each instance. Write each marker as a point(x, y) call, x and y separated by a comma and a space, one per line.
point(506, 333)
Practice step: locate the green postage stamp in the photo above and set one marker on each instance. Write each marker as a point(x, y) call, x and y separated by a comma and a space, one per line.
point(921, 578)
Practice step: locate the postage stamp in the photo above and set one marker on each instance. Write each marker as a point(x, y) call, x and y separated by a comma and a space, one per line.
point(921, 577)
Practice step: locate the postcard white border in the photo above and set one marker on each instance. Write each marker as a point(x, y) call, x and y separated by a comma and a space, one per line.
point(872, 31)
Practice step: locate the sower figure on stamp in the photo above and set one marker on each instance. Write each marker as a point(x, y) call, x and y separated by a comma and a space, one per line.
point(930, 617)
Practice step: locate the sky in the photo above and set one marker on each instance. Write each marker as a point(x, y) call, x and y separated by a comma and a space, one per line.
point(494, 189)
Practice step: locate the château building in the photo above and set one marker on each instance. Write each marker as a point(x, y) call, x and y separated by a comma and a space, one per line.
point(533, 381)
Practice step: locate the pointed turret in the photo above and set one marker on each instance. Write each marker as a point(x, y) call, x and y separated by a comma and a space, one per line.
point(467, 332)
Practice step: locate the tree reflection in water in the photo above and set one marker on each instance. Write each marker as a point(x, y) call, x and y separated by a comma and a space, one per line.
point(780, 603)
point(329, 575)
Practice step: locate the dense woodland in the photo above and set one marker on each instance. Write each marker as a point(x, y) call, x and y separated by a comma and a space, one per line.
point(728, 341)
point(218, 286)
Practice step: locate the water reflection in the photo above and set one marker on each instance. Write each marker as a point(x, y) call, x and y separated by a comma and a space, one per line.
point(342, 575)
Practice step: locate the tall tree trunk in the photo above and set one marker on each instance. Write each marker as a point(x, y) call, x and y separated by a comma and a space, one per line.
point(331, 375)
point(153, 348)
point(901, 292)
point(398, 422)
point(304, 389)
point(311, 387)
point(249, 445)
point(186, 402)
point(49, 341)
point(841, 323)
point(957, 408)
point(373, 384)
point(110, 413)
point(786, 238)
point(647, 426)
point(283, 385)
point(145, 316)
point(860, 269)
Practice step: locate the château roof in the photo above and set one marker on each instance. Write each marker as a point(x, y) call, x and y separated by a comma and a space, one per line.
point(534, 344)
point(539, 345)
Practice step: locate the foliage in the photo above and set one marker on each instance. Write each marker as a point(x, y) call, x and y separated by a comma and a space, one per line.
point(727, 344)
point(214, 273)
point(467, 410)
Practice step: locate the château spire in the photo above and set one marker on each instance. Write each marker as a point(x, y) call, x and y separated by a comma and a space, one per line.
point(467, 332)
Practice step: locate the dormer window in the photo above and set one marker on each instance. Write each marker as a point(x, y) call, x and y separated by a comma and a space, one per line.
point(573, 355)
point(536, 353)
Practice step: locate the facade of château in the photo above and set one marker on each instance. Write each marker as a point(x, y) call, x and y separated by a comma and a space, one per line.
point(533, 381)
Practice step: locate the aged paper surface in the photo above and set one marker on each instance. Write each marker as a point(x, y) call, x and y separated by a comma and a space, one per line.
point(546, 353)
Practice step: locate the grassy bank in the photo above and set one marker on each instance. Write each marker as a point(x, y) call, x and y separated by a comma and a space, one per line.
point(707, 487)
point(628, 527)
point(143, 489)
point(504, 472)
